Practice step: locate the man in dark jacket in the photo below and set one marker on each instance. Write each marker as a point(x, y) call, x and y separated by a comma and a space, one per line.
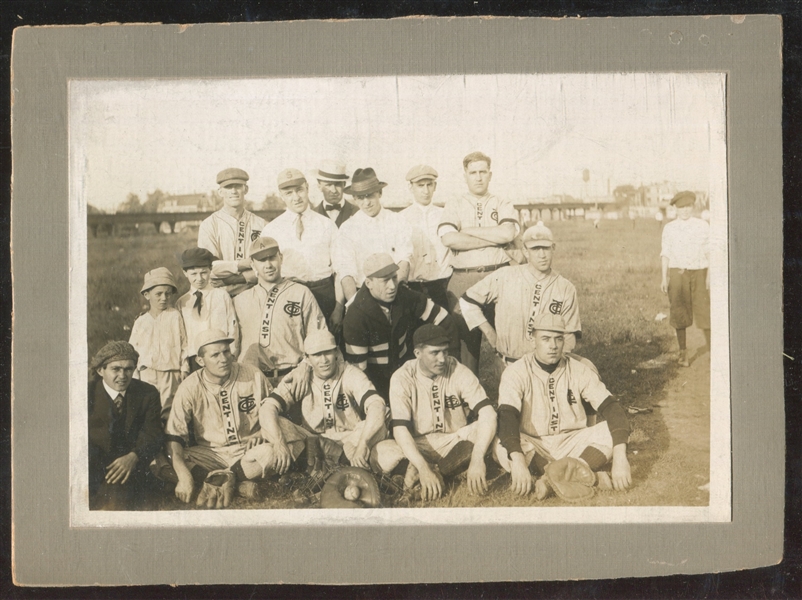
point(125, 431)
point(379, 324)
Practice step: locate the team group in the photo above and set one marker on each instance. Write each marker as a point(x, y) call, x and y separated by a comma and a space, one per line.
point(346, 334)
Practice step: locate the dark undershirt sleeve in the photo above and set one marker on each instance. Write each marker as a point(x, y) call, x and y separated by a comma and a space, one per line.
point(612, 412)
point(509, 428)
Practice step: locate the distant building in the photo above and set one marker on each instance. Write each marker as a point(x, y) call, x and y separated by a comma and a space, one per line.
point(184, 203)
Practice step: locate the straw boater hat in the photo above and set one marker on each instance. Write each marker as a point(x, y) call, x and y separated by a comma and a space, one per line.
point(364, 182)
point(332, 171)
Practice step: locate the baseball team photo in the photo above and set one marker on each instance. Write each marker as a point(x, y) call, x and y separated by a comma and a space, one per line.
point(437, 298)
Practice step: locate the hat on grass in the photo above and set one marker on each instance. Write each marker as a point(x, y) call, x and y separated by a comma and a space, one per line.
point(683, 199)
point(332, 171)
point(549, 322)
point(211, 336)
point(319, 341)
point(537, 236)
point(419, 172)
point(227, 176)
point(430, 335)
point(196, 257)
point(160, 276)
point(264, 247)
point(290, 178)
point(111, 352)
point(364, 182)
point(379, 265)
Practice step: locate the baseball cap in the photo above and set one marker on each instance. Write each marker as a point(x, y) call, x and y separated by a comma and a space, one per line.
point(430, 335)
point(379, 265)
point(685, 198)
point(319, 341)
point(419, 172)
point(160, 276)
point(290, 178)
point(263, 247)
point(197, 257)
point(549, 322)
point(537, 236)
point(232, 175)
point(211, 336)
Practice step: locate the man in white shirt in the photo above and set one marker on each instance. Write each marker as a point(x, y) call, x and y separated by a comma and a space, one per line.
point(430, 270)
point(371, 231)
point(331, 180)
point(307, 243)
point(229, 232)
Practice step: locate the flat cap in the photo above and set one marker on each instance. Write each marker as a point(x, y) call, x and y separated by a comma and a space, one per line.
point(379, 265)
point(263, 247)
point(160, 276)
point(211, 336)
point(289, 178)
point(685, 198)
point(430, 335)
point(549, 322)
point(419, 172)
point(111, 352)
point(232, 175)
point(319, 341)
point(196, 257)
point(537, 236)
point(332, 171)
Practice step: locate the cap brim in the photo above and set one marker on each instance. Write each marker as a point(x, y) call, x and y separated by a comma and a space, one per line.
point(438, 341)
point(538, 244)
point(152, 284)
point(384, 272)
point(220, 341)
point(292, 183)
point(266, 253)
point(319, 349)
point(422, 177)
point(225, 182)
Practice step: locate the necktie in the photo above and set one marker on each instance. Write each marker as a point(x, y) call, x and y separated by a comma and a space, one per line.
point(118, 404)
point(198, 301)
point(299, 227)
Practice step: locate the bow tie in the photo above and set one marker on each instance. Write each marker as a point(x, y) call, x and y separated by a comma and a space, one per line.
point(328, 207)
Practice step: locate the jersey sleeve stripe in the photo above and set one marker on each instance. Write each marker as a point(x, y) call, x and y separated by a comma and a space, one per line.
point(356, 350)
point(480, 405)
point(401, 423)
point(280, 400)
point(441, 315)
point(379, 348)
point(467, 298)
point(175, 438)
point(427, 311)
point(509, 220)
point(365, 397)
point(446, 224)
point(378, 360)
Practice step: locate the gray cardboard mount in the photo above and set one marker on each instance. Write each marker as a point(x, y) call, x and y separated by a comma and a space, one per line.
point(46, 551)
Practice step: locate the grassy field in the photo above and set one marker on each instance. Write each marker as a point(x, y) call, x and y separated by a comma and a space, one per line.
point(615, 269)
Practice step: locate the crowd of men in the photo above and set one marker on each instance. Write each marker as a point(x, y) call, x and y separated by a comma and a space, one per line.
point(347, 334)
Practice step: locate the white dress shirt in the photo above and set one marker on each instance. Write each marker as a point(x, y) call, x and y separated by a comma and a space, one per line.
point(310, 258)
point(431, 260)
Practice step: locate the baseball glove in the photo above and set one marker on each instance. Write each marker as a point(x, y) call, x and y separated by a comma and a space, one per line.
point(571, 479)
point(217, 490)
point(350, 487)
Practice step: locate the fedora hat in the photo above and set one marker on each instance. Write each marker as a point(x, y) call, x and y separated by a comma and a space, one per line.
point(364, 182)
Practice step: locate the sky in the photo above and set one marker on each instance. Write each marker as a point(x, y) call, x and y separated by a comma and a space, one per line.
point(541, 131)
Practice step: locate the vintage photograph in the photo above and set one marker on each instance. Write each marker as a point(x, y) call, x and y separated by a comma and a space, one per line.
point(504, 294)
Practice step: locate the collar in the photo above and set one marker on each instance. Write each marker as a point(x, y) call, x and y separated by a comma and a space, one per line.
point(272, 285)
point(111, 392)
point(205, 291)
point(548, 368)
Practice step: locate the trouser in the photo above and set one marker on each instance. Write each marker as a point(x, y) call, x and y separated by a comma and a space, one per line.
point(470, 341)
point(432, 446)
point(336, 443)
point(553, 447)
point(116, 496)
point(437, 290)
point(689, 298)
point(323, 291)
point(166, 382)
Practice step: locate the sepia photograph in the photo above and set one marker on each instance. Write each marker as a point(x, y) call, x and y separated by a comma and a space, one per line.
point(442, 298)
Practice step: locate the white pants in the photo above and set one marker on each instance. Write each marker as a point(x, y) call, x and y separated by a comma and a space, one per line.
point(432, 446)
point(164, 381)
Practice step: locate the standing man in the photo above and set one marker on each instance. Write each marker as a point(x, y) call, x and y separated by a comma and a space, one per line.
point(276, 315)
point(541, 415)
point(430, 399)
point(475, 226)
point(431, 260)
point(686, 279)
point(125, 430)
point(307, 243)
point(519, 294)
point(331, 180)
point(372, 230)
point(228, 232)
point(378, 327)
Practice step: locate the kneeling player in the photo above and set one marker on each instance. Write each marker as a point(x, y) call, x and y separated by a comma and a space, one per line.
point(341, 405)
point(542, 417)
point(430, 397)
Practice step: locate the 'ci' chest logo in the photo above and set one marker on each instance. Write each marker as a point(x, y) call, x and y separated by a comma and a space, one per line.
point(342, 402)
point(246, 405)
point(255, 235)
point(292, 308)
point(453, 402)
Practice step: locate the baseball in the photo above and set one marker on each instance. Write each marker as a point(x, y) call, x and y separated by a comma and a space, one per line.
point(352, 493)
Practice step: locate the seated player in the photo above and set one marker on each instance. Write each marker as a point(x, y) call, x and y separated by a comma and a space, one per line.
point(341, 406)
point(431, 397)
point(125, 432)
point(542, 415)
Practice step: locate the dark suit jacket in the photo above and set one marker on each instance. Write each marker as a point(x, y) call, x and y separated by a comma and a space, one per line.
point(348, 211)
point(143, 427)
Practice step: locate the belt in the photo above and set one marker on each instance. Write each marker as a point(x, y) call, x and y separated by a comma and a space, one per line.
point(506, 359)
point(485, 269)
point(681, 271)
point(273, 373)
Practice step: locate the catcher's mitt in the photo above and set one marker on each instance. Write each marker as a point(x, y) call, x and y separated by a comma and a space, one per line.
point(217, 490)
point(571, 479)
point(350, 487)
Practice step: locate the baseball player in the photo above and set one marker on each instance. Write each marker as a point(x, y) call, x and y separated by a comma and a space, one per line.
point(331, 180)
point(276, 315)
point(205, 306)
point(378, 328)
point(307, 243)
point(475, 226)
point(685, 257)
point(228, 232)
point(521, 293)
point(431, 397)
point(372, 230)
point(542, 418)
point(341, 405)
point(220, 405)
point(430, 270)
